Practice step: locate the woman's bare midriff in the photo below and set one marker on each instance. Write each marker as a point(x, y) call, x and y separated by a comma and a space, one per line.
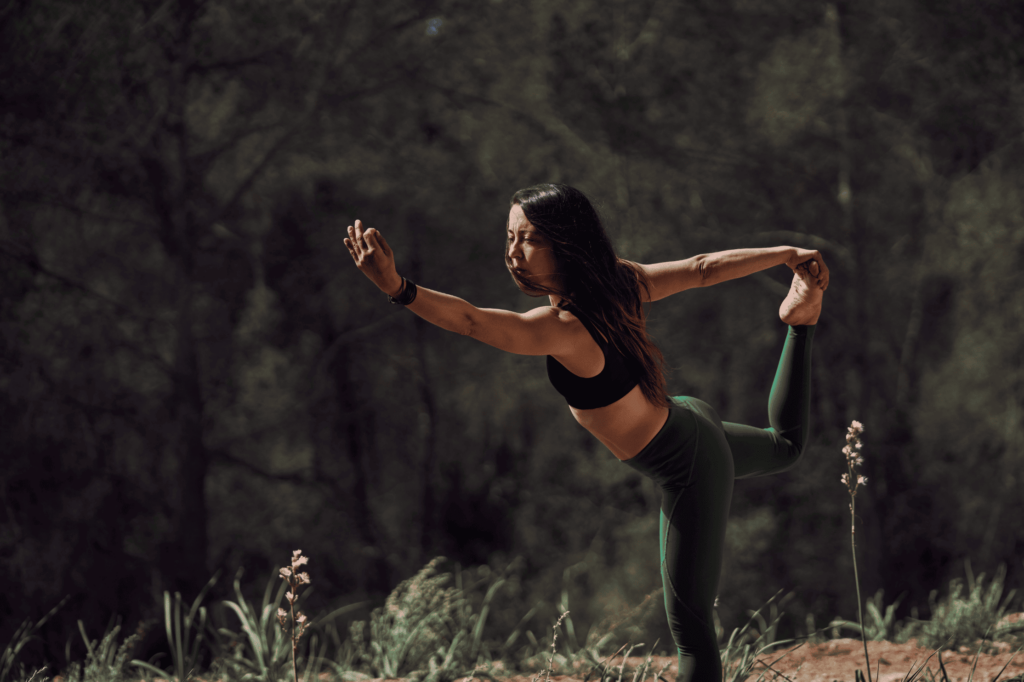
point(627, 425)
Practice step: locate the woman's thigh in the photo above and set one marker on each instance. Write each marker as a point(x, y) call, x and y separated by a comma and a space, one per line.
point(694, 518)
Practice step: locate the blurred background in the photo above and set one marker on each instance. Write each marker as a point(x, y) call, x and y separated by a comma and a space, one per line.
point(195, 378)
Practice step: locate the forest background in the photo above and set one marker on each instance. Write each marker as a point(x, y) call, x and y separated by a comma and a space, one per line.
point(194, 377)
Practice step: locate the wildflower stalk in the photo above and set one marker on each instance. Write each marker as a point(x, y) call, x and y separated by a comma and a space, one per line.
point(299, 622)
point(852, 480)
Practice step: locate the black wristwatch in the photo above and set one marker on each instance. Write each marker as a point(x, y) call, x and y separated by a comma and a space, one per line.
point(407, 295)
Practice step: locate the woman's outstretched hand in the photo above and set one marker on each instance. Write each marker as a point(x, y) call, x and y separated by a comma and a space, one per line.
point(373, 257)
point(803, 257)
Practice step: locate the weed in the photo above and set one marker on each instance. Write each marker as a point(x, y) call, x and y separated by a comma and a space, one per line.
point(186, 646)
point(554, 638)
point(624, 624)
point(740, 656)
point(104, 660)
point(296, 619)
point(22, 636)
point(852, 480)
point(263, 651)
point(961, 620)
point(879, 627)
point(425, 630)
point(260, 650)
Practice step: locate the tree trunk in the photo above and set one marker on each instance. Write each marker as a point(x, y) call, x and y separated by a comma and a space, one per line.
point(377, 573)
point(184, 556)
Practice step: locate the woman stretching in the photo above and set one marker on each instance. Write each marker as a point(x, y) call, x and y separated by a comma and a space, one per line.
point(600, 358)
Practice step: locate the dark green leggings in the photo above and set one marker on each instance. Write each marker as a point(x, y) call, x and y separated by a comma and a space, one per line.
point(695, 458)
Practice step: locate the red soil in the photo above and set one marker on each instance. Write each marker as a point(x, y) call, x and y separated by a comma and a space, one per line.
point(838, 659)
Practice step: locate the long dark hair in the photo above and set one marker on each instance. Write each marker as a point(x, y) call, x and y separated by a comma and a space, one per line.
point(602, 285)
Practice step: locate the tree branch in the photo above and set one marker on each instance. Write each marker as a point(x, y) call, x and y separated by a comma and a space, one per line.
point(33, 264)
point(222, 457)
point(202, 69)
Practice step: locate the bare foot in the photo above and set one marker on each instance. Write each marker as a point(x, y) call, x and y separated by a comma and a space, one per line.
point(803, 303)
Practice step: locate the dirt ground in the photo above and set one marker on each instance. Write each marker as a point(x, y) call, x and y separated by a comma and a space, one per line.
point(838, 659)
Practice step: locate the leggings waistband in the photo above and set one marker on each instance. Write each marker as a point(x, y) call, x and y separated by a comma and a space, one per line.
point(670, 456)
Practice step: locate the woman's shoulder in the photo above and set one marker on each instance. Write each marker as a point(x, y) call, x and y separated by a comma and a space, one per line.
point(579, 320)
point(566, 314)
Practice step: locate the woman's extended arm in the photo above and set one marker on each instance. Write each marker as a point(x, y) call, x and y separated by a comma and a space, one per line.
point(712, 268)
point(542, 331)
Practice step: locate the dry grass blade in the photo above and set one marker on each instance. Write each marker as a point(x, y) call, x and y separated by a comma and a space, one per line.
point(625, 657)
point(769, 665)
point(1001, 670)
point(942, 666)
point(913, 677)
point(602, 667)
point(777, 672)
point(640, 674)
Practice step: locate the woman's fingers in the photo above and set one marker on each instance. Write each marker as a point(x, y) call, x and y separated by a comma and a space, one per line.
point(822, 272)
point(362, 242)
point(384, 246)
point(357, 237)
point(379, 242)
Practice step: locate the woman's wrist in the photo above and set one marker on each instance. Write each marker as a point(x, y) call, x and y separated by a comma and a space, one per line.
point(791, 252)
point(394, 288)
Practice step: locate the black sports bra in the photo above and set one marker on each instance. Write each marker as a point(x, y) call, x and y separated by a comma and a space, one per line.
point(619, 376)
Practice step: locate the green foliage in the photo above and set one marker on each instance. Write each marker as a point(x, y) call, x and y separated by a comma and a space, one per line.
point(746, 644)
point(260, 650)
point(623, 625)
point(576, 659)
point(262, 654)
point(22, 636)
point(186, 632)
point(536, 655)
point(961, 620)
point(105, 661)
point(878, 627)
point(608, 673)
point(424, 630)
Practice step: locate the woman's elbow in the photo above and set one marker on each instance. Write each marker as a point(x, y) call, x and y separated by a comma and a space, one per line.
point(466, 325)
point(706, 272)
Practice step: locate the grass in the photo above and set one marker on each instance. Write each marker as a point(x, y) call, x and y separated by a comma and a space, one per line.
point(25, 633)
point(186, 632)
point(427, 631)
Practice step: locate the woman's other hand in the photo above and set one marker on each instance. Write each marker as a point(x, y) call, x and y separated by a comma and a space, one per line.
point(803, 257)
point(374, 257)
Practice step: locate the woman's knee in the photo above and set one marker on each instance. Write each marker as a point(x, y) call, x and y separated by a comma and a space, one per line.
point(789, 450)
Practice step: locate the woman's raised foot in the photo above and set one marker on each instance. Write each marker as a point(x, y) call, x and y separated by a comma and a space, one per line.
point(802, 305)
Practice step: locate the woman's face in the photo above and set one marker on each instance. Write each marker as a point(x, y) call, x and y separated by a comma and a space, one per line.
point(533, 259)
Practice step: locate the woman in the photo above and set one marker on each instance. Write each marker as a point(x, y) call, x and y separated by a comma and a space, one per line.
point(601, 359)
